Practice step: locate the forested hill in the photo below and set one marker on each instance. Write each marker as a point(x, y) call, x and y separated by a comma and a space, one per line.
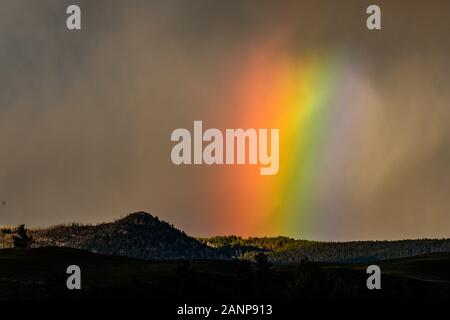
point(138, 235)
point(288, 250)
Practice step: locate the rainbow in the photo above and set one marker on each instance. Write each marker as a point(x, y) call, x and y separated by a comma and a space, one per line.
point(297, 94)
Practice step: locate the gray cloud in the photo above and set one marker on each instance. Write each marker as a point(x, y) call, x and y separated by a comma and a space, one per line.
point(85, 116)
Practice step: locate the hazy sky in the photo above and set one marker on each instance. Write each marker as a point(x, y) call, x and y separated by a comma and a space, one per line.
point(86, 116)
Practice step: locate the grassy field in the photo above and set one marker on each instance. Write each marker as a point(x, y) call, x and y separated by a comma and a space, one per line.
point(40, 273)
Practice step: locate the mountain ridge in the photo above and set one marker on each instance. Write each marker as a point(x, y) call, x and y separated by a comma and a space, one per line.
point(137, 235)
point(142, 235)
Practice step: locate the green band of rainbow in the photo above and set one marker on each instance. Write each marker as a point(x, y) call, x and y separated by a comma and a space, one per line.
point(294, 94)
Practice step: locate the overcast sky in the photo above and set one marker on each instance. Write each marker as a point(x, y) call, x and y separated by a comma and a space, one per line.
point(86, 116)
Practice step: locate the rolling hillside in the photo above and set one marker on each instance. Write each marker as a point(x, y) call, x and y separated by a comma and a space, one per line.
point(288, 250)
point(138, 235)
point(40, 273)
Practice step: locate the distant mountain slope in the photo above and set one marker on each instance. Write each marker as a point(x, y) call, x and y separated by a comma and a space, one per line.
point(138, 235)
point(288, 250)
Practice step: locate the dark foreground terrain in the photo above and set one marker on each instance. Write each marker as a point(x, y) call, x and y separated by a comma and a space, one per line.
point(40, 273)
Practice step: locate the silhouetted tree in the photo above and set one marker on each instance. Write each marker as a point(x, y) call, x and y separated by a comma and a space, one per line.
point(5, 231)
point(184, 273)
point(262, 262)
point(22, 239)
point(183, 268)
point(308, 277)
point(134, 281)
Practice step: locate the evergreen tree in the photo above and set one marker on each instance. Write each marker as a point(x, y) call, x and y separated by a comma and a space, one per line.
point(262, 262)
point(22, 239)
